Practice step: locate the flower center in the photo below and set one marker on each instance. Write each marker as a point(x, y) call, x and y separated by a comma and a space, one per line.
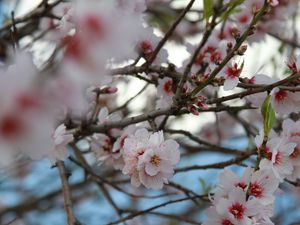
point(146, 47)
point(237, 210)
point(280, 95)
point(168, 86)
point(255, 190)
point(233, 71)
point(155, 160)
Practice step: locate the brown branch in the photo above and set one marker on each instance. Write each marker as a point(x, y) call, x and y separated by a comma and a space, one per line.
point(37, 13)
point(203, 142)
point(219, 165)
point(66, 193)
point(253, 91)
point(131, 216)
point(234, 50)
point(33, 203)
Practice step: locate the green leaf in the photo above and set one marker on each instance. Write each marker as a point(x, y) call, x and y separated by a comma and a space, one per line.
point(208, 9)
point(232, 9)
point(268, 114)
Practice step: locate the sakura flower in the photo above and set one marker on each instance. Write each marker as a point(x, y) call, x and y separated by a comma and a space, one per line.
point(146, 43)
point(149, 159)
point(212, 54)
point(278, 150)
point(232, 73)
point(237, 208)
point(294, 64)
point(228, 180)
point(101, 146)
point(61, 139)
point(285, 102)
point(118, 145)
point(134, 146)
point(263, 185)
point(164, 92)
point(291, 130)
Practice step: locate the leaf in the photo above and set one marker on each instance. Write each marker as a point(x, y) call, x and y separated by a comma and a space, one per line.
point(208, 9)
point(206, 189)
point(268, 114)
point(232, 9)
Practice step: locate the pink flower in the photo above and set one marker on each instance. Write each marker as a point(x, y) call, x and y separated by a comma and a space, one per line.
point(262, 186)
point(291, 130)
point(164, 92)
point(229, 179)
point(118, 146)
point(61, 138)
point(285, 102)
point(134, 146)
point(278, 150)
point(237, 208)
point(294, 64)
point(149, 159)
point(231, 74)
point(146, 43)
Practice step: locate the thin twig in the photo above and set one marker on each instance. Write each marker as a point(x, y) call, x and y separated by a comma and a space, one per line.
point(66, 193)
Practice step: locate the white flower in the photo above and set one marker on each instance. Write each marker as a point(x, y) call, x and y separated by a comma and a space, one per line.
point(231, 75)
point(291, 130)
point(285, 102)
point(134, 146)
point(61, 139)
point(263, 185)
point(150, 160)
point(229, 179)
point(278, 150)
point(237, 208)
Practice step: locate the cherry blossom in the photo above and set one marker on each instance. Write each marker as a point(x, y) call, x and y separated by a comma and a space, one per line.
point(237, 208)
point(232, 74)
point(61, 139)
point(294, 64)
point(278, 150)
point(291, 130)
point(285, 102)
point(150, 160)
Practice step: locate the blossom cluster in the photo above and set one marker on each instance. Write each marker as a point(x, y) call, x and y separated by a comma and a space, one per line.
point(250, 199)
point(243, 200)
